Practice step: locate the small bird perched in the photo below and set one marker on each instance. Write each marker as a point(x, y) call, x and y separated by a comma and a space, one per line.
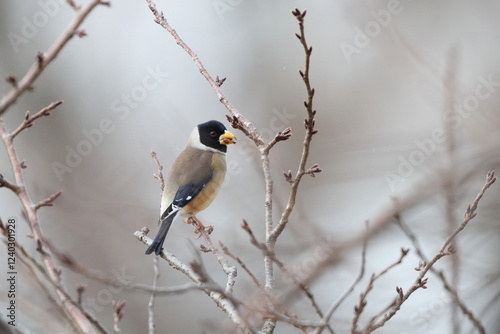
point(194, 178)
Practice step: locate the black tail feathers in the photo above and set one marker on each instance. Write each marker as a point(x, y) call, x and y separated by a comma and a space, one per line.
point(157, 245)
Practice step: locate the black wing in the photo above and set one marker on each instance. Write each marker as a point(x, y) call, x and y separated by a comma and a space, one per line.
point(185, 194)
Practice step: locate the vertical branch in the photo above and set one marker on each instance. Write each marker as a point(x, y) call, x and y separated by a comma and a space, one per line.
point(151, 305)
point(309, 123)
point(269, 324)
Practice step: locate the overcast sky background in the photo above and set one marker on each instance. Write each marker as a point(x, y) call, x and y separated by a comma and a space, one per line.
point(128, 88)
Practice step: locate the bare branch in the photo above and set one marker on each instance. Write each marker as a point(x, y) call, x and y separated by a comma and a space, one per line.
point(238, 120)
point(29, 120)
point(448, 286)
point(118, 314)
point(469, 214)
point(217, 295)
point(358, 309)
point(309, 123)
point(73, 310)
point(43, 60)
point(350, 289)
point(49, 200)
point(280, 136)
point(269, 253)
point(159, 175)
point(270, 298)
point(9, 185)
point(242, 264)
point(230, 271)
point(151, 305)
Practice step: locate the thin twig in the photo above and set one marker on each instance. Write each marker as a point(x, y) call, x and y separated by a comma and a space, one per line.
point(447, 285)
point(151, 305)
point(43, 60)
point(237, 119)
point(9, 185)
point(159, 175)
point(350, 289)
point(217, 295)
point(29, 120)
point(118, 314)
point(229, 270)
point(445, 249)
point(280, 136)
point(271, 255)
point(269, 296)
point(49, 200)
point(309, 123)
point(242, 265)
point(358, 309)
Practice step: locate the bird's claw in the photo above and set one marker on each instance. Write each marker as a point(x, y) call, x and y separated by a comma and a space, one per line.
point(199, 227)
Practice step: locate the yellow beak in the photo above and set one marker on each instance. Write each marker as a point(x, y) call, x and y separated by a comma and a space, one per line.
point(227, 138)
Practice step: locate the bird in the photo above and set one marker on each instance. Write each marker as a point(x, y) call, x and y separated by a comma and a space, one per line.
point(195, 177)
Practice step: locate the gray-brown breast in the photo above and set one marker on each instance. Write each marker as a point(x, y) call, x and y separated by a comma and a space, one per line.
point(200, 164)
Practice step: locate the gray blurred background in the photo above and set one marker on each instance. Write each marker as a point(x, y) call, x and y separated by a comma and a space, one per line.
point(380, 100)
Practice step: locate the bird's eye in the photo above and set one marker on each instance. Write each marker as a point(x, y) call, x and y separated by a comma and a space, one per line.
point(213, 134)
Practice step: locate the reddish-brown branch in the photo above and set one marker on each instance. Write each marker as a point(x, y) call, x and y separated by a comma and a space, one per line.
point(309, 123)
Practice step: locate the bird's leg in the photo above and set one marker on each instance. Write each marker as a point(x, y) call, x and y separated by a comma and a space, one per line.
point(199, 225)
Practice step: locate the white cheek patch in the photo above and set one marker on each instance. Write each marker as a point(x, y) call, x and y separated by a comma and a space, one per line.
point(194, 141)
